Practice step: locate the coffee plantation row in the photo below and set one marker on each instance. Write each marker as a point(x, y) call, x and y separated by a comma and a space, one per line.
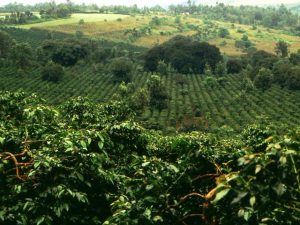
point(195, 104)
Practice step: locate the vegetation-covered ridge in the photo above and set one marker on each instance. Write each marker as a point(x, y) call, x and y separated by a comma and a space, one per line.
point(85, 163)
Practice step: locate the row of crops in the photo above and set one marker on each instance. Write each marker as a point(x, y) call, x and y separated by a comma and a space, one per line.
point(193, 104)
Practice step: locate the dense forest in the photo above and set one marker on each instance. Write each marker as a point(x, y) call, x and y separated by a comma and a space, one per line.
point(97, 129)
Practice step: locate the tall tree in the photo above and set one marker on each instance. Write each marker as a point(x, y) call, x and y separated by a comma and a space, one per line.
point(6, 43)
point(184, 54)
point(22, 55)
point(157, 92)
point(282, 49)
point(121, 68)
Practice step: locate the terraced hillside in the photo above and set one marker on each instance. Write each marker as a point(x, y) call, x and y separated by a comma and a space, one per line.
point(193, 105)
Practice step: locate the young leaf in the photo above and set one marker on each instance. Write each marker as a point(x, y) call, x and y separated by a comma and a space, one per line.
point(252, 201)
point(220, 195)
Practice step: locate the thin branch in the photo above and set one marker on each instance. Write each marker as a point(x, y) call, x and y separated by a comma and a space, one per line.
point(191, 195)
point(15, 161)
point(11, 156)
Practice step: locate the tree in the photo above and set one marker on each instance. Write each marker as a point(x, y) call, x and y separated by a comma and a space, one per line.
point(293, 80)
point(295, 58)
point(281, 71)
point(157, 93)
point(223, 32)
point(244, 42)
point(22, 55)
point(282, 49)
point(262, 58)
point(81, 22)
point(234, 66)
point(53, 72)
point(263, 79)
point(121, 68)
point(6, 42)
point(221, 69)
point(139, 100)
point(184, 54)
point(66, 52)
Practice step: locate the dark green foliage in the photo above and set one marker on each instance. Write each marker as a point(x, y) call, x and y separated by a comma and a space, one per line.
point(100, 55)
point(18, 17)
point(22, 55)
point(282, 49)
point(87, 164)
point(66, 52)
point(256, 137)
point(234, 66)
point(223, 32)
point(156, 21)
point(184, 54)
point(56, 11)
point(121, 68)
point(295, 58)
point(221, 69)
point(262, 58)
point(293, 79)
point(281, 70)
point(6, 43)
point(263, 79)
point(53, 72)
point(157, 93)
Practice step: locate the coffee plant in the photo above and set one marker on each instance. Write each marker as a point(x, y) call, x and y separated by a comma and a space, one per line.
point(87, 163)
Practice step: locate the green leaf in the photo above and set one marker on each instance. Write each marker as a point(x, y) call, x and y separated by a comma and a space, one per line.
point(100, 144)
point(83, 144)
point(145, 164)
point(247, 215)
point(220, 195)
point(40, 220)
point(80, 177)
point(282, 160)
point(258, 168)
point(2, 213)
point(279, 188)
point(176, 170)
point(149, 187)
point(241, 213)
point(147, 214)
point(240, 196)
point(252, 201)
point(158, 218)
point(2, 140)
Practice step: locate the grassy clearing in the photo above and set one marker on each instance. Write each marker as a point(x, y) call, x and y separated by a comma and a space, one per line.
point(103, 28)
point(2, 15)
point(74, 19)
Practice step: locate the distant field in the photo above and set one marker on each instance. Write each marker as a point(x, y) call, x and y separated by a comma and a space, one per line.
point(74, 19)
point(2, 15)
point(115, 27)
point(107, 26)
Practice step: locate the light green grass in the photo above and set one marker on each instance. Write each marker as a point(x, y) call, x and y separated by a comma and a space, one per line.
point(74, 19)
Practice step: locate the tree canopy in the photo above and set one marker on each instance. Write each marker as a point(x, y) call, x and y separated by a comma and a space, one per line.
point(184, 54)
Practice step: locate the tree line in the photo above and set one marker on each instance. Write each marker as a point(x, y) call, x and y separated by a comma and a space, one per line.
point(272, 17)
